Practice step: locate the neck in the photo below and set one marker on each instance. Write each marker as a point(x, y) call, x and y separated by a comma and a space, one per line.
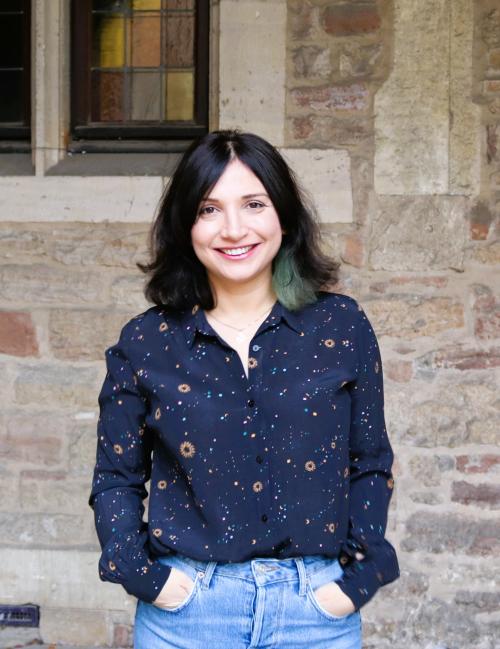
point(246, 300)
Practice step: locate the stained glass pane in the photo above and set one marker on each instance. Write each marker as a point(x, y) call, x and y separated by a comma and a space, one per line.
point(11, 92)
point(109, 5)
point(146, 4)
point(107, 97)
point(180, 4)
point(179, 46)
point(180, 95)
point(146, 95)
point(108, 41)
point(146, 41)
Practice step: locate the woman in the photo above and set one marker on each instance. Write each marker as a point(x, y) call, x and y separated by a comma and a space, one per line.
point(253, 400)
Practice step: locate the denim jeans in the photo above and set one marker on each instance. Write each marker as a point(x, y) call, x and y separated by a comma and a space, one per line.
point(260, 603)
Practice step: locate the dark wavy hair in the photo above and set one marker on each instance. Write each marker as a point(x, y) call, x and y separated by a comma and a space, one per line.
point(178, 280)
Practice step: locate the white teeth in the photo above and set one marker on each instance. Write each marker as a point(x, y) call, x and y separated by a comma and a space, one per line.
point(236, 251)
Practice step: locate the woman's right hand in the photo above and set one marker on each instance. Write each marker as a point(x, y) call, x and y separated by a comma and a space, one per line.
point(176, 590)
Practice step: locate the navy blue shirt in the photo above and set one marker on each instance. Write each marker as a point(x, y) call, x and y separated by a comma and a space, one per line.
point(292, 460)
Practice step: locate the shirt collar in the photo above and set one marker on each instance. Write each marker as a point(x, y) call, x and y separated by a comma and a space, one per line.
point(194, 320)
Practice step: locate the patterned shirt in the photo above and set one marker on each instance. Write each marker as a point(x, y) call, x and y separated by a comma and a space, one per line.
point(292, 459)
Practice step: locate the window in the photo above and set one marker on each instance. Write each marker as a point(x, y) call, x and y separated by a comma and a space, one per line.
point(139, 70)
point(15, 74)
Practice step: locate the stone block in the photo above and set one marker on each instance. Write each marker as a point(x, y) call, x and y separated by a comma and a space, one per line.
point(17, 334)
point(362, 61)
point(45, 530)
point(408, 233)
point(326, 175)
point(57, 385)
point(315, 130)
point(426, 470)
point(252, 78)
point(351, 19)
point(127, 292)
point(427, 129)
point(486, 311)
point(478, 463)
point(459, 357)
point(79, 334)
point(398, 371)
point(482, 495)
point(74, 626)
point(29, 439)
point(35, 575)
point(414, 316)
point(304, 20)
point(74, 244)
point(353, 97)
point(53, 491)
point(447, 532)
point(494, 59)
point(312, 62)
point(39, 284)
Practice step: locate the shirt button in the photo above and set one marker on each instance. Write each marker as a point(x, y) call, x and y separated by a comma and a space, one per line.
point(255, 348)
point(259, 459)
point(257, 486)
point(250, 403)
point(263, 517)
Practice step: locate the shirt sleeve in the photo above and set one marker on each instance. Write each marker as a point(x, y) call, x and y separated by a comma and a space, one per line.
point(123, 465)
point(371, 479)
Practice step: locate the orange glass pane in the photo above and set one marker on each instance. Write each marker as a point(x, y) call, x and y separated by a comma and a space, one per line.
point(107, 97)
point(180, 96)
point(146, 41)
point(179, 41)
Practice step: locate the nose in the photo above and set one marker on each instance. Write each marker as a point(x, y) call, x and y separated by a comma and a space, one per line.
point(234, 226)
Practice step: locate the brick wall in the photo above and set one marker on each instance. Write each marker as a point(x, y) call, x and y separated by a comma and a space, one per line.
point(410, 90)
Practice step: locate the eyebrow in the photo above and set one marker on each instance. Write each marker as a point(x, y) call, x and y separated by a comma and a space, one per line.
point(216, 200)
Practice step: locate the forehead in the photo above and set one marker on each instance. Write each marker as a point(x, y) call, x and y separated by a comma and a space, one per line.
point(236, 180)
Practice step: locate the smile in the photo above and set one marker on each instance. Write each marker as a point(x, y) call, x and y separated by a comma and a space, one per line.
point(239, 253)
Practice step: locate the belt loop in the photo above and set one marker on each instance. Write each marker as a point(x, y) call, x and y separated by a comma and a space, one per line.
point(302, 575)
point(208, 572)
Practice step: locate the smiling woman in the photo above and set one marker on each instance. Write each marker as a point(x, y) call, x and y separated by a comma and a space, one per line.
point(251, 397)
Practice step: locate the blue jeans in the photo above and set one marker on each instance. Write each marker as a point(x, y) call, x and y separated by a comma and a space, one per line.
point(263, 602)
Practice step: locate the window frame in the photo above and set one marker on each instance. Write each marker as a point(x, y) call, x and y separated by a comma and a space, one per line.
point(81, 131)
point(22, 133)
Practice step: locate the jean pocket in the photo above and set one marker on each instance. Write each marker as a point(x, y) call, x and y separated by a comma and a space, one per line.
point(185, 602)
point(329, 573)
point(194, 575)
point(314, 600)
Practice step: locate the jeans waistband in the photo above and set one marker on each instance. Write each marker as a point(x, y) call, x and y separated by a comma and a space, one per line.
point(262, 570)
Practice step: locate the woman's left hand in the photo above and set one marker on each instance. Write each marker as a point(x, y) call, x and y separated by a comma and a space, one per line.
point(333, 599)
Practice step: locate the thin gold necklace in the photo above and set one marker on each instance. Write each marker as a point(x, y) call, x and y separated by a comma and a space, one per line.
point(240, 330)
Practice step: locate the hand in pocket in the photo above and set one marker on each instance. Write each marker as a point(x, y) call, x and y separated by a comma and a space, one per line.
point(333, 599)
point(176, 590)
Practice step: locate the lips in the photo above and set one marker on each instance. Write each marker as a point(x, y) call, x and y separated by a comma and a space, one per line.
point(238, 252)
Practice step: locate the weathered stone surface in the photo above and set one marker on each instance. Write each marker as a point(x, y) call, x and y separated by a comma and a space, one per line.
point(315, 130)
point(35, 575)
point(459, 357)
point(312, 62)
point(29, 439)
point(406, 316)
point(326, 175)
point(78, 334)
point(489, 254)
point(48, 530)
point(57, 385)
point(486, 312)
point(74, 244)
point(17, 334)
point(490, 26)
point(476, 463)
point(445, 412)
point(408, 234)
point(78, 626)
point(127, 292)
point(349, 19)
point(52, 491)
point(40, 284)
point(362, 61)
point(419, 149)
point(424, 284)
point(426, 470)
point(252, 78)
point(448, 532)
point(353, 97)
point(483, 495)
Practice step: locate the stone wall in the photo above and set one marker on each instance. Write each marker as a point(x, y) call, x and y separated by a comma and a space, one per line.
point(411, 90)
point(397, 103)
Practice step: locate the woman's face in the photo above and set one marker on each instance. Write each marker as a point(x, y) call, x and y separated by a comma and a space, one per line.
point(237, 232)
